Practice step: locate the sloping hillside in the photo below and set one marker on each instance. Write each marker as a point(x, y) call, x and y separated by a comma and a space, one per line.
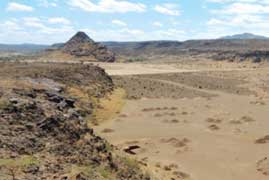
point(45, 116)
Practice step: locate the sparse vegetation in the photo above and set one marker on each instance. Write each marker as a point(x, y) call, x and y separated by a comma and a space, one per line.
point(135, 59)
point(19, 162)
point(15, 58)
point(131, 163)
point(109, 106)
point(3, 103)
point(106, 173)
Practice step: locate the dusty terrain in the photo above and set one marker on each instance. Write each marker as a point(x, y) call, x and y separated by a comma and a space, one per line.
point(200, 121)
point(166, 112)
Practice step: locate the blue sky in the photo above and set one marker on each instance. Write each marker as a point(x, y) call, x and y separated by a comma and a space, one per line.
point(50, 21)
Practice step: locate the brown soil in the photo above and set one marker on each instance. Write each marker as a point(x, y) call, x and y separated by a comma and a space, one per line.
point(139, 87)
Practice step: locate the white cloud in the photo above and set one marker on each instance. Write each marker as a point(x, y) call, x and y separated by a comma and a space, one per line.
point(40, 26)
point(132, 31)
point(214, 21)
point(127, 34)
point(238, 24)
point(37, 30)
point(242, 21)
point(11, 25)
point(19, 7)
point(158, 24)
point(219, 1)
point(108, 6)
point(37, 37)
point(174, 33)
point(58, 30)
point(239, 1)
point(124, 34)
point(33, 22)
point(48, 3)
point(237, 16)
point(168, 9)
point(59, 20)
point(118, 22)
point(243, 8)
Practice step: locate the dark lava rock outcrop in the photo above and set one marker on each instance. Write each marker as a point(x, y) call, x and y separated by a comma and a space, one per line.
point(44, 133)
point(255, 56)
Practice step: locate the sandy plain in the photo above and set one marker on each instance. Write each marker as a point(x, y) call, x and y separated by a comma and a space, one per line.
point(202, 121)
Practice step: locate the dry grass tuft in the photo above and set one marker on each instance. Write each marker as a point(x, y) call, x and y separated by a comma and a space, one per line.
point(109, 106)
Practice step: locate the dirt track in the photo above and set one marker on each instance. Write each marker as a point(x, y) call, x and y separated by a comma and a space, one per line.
point(145, 68)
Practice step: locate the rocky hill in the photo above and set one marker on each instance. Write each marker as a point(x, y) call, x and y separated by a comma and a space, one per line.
point(45, 112)
point(80, 47)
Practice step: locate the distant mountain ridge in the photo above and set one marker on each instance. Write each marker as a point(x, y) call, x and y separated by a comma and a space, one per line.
point(135, 45)
point(23, 47)
point(244, 46)
point(244, 36)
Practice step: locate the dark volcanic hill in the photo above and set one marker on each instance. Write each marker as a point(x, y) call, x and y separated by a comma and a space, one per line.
point(78, 41)
point(81, 45)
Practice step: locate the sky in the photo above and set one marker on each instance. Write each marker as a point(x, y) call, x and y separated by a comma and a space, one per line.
point(53, 21)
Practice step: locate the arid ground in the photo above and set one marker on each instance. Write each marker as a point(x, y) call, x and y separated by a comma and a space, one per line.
point(196, 121)
point(157, 110)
